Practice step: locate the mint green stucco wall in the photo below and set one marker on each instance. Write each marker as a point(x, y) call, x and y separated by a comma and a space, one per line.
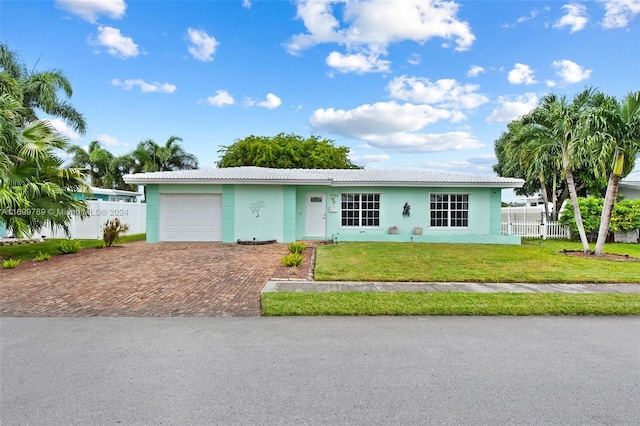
point(3, 230)
point(484, 215)
point(289, 213)
point(267, 212)
point(152, 199)
point(495, 212)
point(259, 212)
point(228, 213)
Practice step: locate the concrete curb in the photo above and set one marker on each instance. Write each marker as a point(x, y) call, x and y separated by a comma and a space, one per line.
point(274, 286)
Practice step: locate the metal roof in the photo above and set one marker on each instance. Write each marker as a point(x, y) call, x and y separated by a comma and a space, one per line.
point(106, 191)
point(633, 184)
point(330, 177)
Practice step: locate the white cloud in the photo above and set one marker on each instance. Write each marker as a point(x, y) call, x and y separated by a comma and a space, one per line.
point(89, 10)
point(510, 110)
point(144, 86)
point(221, 98)
point(522, 19)
point(393, 126)
point(64, 129)
point(358, 63)
point(414, 59)
point(108, 140)
point(576, 17)
point(425, 142)
point(446, 93)
point(551, 83)
point(521, 74)
point(368, 158)
point(619, 12)
point(571, 72)
point(116, 44)
point(246, 4)
point(475, 71)
point(368, 27)
point(482, 164)
point(486, 159)
point(203, 46)
point(271, 102)
point(532, 15)
point(381, 117)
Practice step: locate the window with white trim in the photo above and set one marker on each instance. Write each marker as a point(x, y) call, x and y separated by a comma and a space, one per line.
point(449, 210)
point(360, 209)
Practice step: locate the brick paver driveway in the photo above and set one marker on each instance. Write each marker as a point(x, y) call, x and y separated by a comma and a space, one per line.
point(140, 279)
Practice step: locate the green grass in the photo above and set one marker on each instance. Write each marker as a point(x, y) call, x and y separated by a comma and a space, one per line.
point(26, 252)
point(534, 261)
point(131, 238)
point(448, 303)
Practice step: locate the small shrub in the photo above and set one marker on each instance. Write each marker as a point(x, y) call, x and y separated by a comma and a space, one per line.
point(590, 210)
point(10, 263)
point(100, 244)
point(69, 247)
point(297, 247)
point(292, 259)
point(626, 216)
point(113, 230)
point(41, 257)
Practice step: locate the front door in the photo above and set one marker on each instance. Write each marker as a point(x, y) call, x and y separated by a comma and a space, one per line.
point(316, 216)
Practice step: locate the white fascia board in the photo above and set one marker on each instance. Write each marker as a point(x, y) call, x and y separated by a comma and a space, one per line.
point(143, 181)
point(433, 184)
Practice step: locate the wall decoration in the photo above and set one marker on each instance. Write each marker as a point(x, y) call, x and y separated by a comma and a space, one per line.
point(406, 210)
point(255, 207)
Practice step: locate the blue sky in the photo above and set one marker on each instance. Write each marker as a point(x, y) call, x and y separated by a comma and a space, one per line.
point(404, 84)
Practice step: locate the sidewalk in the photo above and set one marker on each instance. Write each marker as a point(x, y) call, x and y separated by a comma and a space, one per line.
point(384, 287)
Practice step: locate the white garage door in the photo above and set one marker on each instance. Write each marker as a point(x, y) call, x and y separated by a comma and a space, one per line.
point(191, 217)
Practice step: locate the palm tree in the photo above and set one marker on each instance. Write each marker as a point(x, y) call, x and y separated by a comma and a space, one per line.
point(557, 124)
point(96, 160)
point(151, 157)
point(614, 129)
point(519, 145)
point(38, 90)
point(119, 166)
point(35, 190)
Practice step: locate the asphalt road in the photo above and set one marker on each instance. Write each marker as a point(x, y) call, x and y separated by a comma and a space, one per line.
point(363, 370)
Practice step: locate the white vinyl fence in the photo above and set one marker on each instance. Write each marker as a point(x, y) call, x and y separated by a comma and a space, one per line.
point(132, 214)
point(536, 229)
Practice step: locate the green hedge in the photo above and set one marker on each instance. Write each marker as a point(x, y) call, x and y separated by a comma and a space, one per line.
point(625, 215)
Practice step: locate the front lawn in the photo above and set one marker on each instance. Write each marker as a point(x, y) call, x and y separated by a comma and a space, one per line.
point(448, 303)
point(27, 252)
point(535, 261)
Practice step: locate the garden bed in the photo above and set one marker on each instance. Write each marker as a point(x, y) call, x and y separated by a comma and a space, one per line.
point(302, 272)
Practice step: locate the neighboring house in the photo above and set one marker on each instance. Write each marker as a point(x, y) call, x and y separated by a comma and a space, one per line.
point(253, 203)
point(103, 204)
point(526, 209)
point(629, 189)
point(110, 195)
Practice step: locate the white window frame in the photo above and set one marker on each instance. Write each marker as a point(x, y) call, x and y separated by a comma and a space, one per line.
point(359, 209)
point(456, 209)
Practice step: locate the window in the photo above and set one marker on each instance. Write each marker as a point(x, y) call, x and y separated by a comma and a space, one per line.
point(450, 210)
point(360, 209)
